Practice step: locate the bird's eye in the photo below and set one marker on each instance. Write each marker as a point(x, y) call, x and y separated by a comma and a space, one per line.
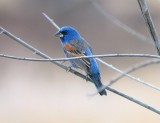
point(64, 32)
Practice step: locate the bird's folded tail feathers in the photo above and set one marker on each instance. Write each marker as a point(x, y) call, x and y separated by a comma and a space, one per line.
point(99, 86)
point(102, 92)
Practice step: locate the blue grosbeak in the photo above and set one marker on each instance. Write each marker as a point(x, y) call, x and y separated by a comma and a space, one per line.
point(74, 45)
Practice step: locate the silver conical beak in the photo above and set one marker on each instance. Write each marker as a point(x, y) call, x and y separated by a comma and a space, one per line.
point(59, 34)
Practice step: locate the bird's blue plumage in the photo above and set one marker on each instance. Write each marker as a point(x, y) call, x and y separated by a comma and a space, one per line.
point(74, 45)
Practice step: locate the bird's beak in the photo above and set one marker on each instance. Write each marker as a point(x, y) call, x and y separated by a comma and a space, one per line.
point(59, 34)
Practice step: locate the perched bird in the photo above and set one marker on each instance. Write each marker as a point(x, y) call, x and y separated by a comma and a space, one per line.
point(74, 45)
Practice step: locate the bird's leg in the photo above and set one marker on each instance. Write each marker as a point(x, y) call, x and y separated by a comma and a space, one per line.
point(86, 78)
point(62, 62)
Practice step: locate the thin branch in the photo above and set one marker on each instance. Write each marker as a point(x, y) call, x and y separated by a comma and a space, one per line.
point(129, 76)
point(111, 66)
point(133, 99)
point(36, 51)
point(1, 31)
point(150, 24)
point(111, 82)
point(144, 64)
point(132, 69)
point(80, 57)
point(51, 21)
point(118, 23)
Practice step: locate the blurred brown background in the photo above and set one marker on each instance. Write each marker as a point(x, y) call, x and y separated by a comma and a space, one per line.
point(40, 92)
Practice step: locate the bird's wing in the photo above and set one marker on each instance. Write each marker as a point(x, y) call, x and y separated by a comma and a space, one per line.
point(78, 48)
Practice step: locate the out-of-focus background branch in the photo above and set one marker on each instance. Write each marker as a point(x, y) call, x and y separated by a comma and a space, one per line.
point(41, 92)
point(149, 22)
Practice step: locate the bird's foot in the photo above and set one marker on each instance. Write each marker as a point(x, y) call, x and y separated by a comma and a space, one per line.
point(68, 68)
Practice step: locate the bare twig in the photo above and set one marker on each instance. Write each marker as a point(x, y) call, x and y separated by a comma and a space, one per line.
point(36, 51)
point(129, 76)
point(111, 82)
point(118, 23)
point(51, 21)
point(150, 24)
point(80, 57)
point(133, 100)
point(132, 69)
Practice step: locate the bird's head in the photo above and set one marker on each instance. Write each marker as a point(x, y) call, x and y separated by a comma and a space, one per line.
point(67, 33)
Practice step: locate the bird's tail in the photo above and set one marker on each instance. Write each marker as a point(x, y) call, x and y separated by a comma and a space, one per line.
point(99, 86)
